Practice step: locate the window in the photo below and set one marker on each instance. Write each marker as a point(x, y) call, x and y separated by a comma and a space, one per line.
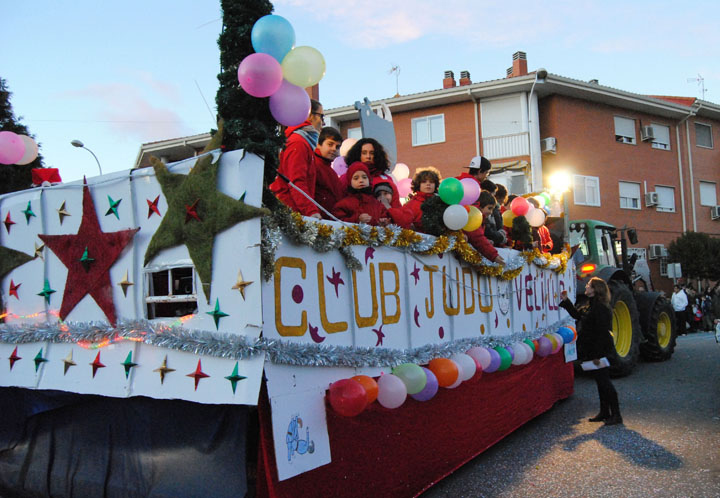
point(171, 292)
point(629, 195)
point(708, 194)
point(517, 184)
point(586, 190)
point(666, 199)
point(664, 267)
point(355, 133)
point(640, 251)
point(662, 137)
point(703, 135)
point(428, 130)
point(624, 130)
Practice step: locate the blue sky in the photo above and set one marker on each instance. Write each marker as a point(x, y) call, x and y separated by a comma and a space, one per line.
point(119, 74)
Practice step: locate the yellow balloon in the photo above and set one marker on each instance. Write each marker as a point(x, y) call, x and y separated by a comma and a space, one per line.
point(508, 217)
point(475, 219)
point(303, 66)
point(553, 340)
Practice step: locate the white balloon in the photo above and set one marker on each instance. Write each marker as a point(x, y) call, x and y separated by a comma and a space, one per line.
point(466, 364)
point(520, 354)
point(529, 353)
point(455, 217)
point(31, 151)
point(346, 145)
point(536, 218)
point(400, 171)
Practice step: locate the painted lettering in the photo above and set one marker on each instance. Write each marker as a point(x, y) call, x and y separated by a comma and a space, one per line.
point(288, 330)
point(328, 326)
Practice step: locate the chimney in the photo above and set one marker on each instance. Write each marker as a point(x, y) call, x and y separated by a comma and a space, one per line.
point(508, 73)
point(519, 67)
point(449, 81)
point(465, 78)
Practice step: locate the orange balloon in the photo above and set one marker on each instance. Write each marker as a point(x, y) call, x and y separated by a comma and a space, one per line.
point(574, 331)
point(537, 344)
point(445, 370)
point(370, 386)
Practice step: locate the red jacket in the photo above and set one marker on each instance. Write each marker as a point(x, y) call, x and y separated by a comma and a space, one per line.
point(297, 163)
point(398, 215)
point(478, 240)
point(351, 207)
point(414, 206)
point(374, 178)
point(546, 243)
point(464, 175)
point(328, 189)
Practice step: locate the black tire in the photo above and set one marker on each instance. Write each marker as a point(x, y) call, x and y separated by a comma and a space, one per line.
point(659, 332)
point(626, 329)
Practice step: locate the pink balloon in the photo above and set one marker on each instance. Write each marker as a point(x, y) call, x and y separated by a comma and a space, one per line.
point(519, 206)
point(260, 75)
point(472, 191)
point(480, 355)
point(404, 187)
point(290, 105)
point(545, 347)
point(339, 166)
point(391, 391)
point(12, 147)
point(31, 150)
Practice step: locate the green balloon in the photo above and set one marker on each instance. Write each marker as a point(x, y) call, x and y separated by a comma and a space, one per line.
point(505, 358)
point(530, 343)
point(546, 196)
point(451, 191)
point(412, 376)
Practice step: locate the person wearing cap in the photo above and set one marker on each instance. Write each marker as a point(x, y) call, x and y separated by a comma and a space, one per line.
point(359, 206)
point(478, 170)
point(383, 192)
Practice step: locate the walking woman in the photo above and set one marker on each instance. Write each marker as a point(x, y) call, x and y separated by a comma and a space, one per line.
point(595, 342)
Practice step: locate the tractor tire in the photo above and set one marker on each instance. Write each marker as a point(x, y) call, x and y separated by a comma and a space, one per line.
point(626, 330)
point(660, 332)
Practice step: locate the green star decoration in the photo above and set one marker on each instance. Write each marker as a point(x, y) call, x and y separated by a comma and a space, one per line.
point(46, 291)
point(86, 260)
point(216, 313)
point(39, 360)
point(216, 210)
point(28, 212)
point(234, 377)
point(113, 207)
point(128, 364)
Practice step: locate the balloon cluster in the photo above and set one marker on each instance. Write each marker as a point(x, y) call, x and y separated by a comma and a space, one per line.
point(401, 173)
point(17, 149)
point(350, 397)
point(521, 206)
point(280, 70)
point(460, 195)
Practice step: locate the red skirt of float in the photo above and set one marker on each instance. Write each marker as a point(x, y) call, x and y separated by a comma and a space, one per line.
point(404, 451)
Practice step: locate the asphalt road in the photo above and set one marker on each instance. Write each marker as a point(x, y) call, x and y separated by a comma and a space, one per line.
point(669, 445)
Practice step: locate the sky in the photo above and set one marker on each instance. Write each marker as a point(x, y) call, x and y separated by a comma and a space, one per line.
point(116, 75)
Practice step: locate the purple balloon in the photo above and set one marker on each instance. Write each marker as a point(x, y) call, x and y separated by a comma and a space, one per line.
point(510, 350)
point(472, 191)
point(544, 347)
point(260, 75)
point(12, 147)
point(430, 389)
point(290, 105)
point(495, 361)
point(339, 166)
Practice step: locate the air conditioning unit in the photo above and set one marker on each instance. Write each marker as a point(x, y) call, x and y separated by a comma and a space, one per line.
point(657, 251)
point(647, 133)
point(651, 199)
point(715, 212)
point(548, 145)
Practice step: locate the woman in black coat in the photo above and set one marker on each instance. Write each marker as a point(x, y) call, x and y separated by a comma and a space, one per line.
point(595, 342)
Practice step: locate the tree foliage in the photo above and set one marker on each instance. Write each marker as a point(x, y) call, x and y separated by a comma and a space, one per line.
point(697, 253)
point(14, 176)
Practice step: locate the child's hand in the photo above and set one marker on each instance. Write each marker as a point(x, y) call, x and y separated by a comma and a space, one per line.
point(364, 218)
point(384, 221)
point(499, 260)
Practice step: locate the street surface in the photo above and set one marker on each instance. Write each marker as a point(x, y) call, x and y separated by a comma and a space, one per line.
point(669, 445)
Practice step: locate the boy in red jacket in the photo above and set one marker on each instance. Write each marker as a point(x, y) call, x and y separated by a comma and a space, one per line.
point(425, 184)
point(383, 192)
point(486, 204)
point(359, 206)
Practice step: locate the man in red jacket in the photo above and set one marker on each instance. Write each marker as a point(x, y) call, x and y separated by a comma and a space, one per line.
point(297, 163)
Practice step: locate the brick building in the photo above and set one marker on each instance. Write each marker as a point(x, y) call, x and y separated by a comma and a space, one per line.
point(650, 162)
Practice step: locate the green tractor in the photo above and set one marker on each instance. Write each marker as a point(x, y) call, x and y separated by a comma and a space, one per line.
point(643, 320)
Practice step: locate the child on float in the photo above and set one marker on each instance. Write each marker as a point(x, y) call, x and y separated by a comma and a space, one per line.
point(359, 205)
point(486, 204)
point(425, 185)
point(371, 153)
point(541, 234)
point(494, 227)
point(383, 192)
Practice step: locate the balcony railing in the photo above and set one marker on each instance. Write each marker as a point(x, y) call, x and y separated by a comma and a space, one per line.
point(514, 145)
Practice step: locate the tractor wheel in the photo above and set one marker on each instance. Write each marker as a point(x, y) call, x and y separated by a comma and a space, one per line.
point(625, 328)
point(660, 333)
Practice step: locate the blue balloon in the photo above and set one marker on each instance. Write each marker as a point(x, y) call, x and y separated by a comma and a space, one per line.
point(567, 334)
point(273, 35)
point(495, 361)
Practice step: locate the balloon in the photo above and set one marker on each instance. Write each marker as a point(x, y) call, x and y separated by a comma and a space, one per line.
point(531, 344)
point(370, 386)
point(540, 200)
point(391, 391)
point(31, 151)
point(260, 75)
point(339, 166)
point(529, 353)
point(556, 209)
point(567, 334)
point(520, 206)
point(480, 355)
point(544, 347)
point(457, 382)
point(400, 171)
point(536, 218)
point(520, 354)
point(495, 361)
point(430, 389)
point(471, 191)
point(290, 105)
point(505, 359)
point(347, 397)
point(303, 66)
point(574, 332)
point(553, 341)
point(475, 219)
point(466, 364)
point(510, 350)
point(508, 217)
point(455, 217)
point(412, 376)
point(404, 187)
point(346, 145)
point(12, 147)
point(445, 370)
point(546, 197)
point(451, 191)
point(273, 35)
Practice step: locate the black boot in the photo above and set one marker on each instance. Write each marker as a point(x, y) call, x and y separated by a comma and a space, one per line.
point(600, 417)
point(614, 420)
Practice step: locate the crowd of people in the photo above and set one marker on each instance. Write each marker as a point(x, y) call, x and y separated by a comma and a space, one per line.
point(696, 311)
point(367, 192)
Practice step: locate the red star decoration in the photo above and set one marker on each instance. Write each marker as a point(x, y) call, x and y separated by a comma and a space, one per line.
point(13, 358)
point(96, 364)
point(105, 248)
point(191, 212)
point(153, 206)
point(198, 374)
point(13, 289)
point(8, 222)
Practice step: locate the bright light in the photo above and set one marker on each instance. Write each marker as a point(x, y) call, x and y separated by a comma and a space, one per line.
point(559, 182)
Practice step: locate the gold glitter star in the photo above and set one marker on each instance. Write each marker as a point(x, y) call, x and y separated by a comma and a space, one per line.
point(125, 283)
point(241, 284)
point(39, 250)
point(163, 369)
point(62, 212)
point(68, 361)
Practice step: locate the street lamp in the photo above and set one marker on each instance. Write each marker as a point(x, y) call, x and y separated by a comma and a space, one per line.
point(534, 132)
point(78, 143)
